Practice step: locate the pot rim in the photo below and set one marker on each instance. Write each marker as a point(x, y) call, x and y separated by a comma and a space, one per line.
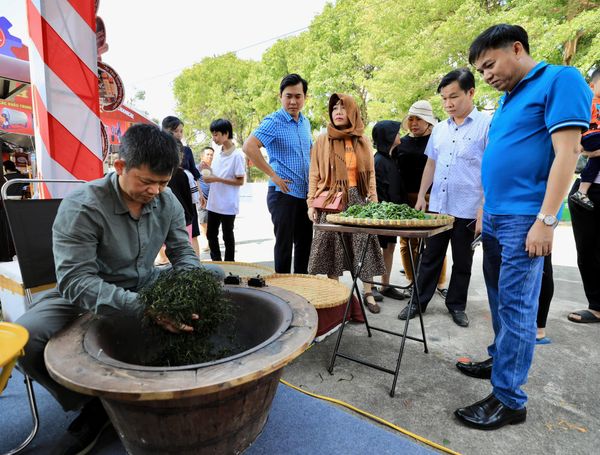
point(70, 365)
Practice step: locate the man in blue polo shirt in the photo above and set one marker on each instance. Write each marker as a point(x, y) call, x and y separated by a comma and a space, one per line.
point(527, 169)
point(286, 135)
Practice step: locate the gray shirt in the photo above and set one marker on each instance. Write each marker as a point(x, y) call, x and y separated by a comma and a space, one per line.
point(103, 255)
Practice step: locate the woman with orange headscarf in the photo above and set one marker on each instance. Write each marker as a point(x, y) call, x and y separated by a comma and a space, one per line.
point(342, 160)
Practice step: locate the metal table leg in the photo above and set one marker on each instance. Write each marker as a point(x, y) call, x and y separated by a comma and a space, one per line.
point(404, 335)
point(355, 274)
point(414, 300)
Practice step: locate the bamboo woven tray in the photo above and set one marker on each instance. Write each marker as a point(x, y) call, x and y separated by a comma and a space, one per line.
point(320, 291)
point(434, 221)
point(243, 269)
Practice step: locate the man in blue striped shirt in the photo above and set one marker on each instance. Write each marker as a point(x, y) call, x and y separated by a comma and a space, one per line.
point(286, 134)
point(527, 168)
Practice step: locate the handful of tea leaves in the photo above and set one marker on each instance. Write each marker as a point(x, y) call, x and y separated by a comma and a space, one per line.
point(177, 294)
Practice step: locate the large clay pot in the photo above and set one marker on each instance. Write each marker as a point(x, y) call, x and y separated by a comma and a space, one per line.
point(216, 408)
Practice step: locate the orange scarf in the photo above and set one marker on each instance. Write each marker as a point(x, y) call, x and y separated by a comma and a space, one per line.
point(337, 150)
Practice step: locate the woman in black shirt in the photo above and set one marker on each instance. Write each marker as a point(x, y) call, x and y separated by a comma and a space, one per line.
point(410, 158)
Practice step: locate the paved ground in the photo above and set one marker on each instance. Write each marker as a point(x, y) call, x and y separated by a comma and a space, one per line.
point(564, 406)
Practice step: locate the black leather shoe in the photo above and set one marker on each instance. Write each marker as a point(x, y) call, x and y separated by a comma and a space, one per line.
point(460, 318)
point(84, 431)
point(490, 414)
point(376, 294)
point(393, 293)
point(404, 313)
point(480, 370)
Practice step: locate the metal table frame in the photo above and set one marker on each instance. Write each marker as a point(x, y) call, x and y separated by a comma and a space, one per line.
point(414, 234)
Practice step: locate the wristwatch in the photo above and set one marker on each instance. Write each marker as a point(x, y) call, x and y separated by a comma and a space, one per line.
point(548, 220)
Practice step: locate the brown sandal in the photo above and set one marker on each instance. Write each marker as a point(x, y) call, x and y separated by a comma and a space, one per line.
point(372, 307)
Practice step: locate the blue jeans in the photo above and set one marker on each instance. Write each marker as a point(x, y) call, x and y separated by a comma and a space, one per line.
point(513, 282)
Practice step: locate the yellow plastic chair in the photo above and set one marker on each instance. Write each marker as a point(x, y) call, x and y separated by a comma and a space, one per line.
point(13, 338)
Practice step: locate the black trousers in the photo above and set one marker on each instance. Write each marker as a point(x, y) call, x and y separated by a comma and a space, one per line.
point(7, 248)
point(546, 293)
point(293, 231)
point(590, 171)
point(215, 220)
point(586, 230)
point(460, 238)
point(195, 225)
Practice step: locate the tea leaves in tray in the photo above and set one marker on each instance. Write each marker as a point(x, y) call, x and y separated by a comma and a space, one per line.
point(384, 211)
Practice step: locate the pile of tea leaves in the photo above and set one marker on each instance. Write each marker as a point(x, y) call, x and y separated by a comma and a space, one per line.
point(177, 294)
point(384, 211)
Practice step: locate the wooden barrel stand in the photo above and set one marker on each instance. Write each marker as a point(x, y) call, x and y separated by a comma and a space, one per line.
point(225, 422)
point(215, 409)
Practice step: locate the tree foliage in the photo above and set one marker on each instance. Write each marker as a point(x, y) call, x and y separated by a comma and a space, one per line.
point(217, 87)
point(386, 53)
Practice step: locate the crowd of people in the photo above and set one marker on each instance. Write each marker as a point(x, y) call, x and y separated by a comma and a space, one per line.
point(504, 177)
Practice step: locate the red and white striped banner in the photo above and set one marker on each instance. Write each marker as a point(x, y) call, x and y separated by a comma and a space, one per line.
point(64, 77)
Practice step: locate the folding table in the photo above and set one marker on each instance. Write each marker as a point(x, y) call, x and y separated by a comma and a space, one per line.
point(412, 235)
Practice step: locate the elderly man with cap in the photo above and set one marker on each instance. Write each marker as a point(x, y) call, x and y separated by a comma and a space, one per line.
point(454, 155)
point(410, 158)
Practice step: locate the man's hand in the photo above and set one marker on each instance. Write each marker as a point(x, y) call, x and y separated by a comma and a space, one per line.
point(539, 240)
point(211, 179)
point(282, 184)
point(479, 222)
point(312, 214)
point(421, 203)
point(170, 326)
point(202, 201)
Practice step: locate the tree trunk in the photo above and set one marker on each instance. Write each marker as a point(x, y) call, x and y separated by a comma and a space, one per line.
point(570, 48)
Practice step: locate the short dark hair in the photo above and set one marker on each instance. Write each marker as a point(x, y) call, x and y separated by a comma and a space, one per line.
point(293, 79)
point(9, 165)
point(222, 126)
point(464, 77)
point(595, 75)
point(208, 147)
point(170, 123)
point(144, 144)
point(496, 37)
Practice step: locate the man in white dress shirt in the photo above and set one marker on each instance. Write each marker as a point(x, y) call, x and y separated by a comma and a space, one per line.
point(454, 154)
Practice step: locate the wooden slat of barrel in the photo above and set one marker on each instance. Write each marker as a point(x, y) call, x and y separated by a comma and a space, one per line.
point(224, 422)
